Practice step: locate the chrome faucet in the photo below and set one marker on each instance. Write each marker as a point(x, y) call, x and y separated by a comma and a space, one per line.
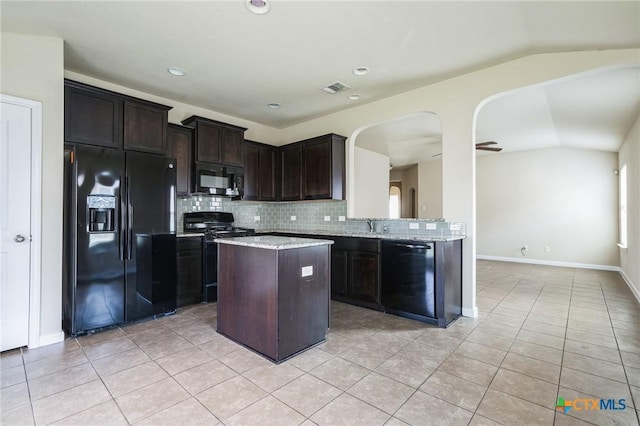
point(370, 223)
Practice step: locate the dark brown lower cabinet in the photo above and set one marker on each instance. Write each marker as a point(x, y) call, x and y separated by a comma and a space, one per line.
point(265, 302)
point(189, 270)
point(339, 271)
point(355, 271)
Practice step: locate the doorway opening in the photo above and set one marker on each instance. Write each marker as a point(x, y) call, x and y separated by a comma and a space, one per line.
point(395, 200)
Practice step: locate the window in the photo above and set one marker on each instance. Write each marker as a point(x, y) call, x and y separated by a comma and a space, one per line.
point(623, 205)
point(394, 202)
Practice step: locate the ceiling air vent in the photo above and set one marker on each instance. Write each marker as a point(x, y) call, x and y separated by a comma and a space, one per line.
point(336, 87)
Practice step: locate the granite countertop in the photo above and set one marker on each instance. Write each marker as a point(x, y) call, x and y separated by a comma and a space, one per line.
point(378, 235)
point(272, 242)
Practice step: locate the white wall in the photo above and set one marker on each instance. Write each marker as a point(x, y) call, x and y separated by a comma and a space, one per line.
point(430, 189)
point(372, 190)
point(562, 198)
point(32, 68)
point(630, 257)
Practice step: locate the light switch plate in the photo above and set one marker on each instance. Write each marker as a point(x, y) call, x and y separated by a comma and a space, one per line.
point(307, 271)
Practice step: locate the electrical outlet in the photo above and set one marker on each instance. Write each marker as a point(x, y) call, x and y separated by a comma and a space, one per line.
point(547, 249)
point(327, 218)
point(256, 218)
point(307, 271)
point(414, 225)
point(342, 218)
point(430, 226)
point(293, 218)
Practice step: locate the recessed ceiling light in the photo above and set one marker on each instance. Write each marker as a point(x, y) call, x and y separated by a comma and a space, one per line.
point(259, 7)
point(274, 105)
point(354, 97)
point(176, 71)
point(361, 71)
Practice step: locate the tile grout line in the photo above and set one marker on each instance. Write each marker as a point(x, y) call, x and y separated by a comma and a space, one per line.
point(635, 403)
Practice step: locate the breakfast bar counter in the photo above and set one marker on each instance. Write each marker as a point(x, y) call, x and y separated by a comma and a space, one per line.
point(273, 293)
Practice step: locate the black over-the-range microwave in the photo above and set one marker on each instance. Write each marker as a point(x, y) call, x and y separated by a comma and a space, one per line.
point(217, 179)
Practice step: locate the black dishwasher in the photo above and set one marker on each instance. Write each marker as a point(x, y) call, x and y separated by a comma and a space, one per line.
point(408, 279)
point(422, 280)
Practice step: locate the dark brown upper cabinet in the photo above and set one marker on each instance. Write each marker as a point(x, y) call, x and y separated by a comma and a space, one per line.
point(95, 116)
point(216, 142)
point(145, 126)
point(92, 116)
point(313, 169)
point(290, 172)
point(259, 171)
point(323, 168)
point(268, 173)
point(180, 147)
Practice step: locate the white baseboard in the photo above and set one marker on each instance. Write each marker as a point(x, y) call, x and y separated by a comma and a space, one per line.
point(630, 284)
point(627, 280)
point(470, 312)
point(49, 339)
point(549, 263)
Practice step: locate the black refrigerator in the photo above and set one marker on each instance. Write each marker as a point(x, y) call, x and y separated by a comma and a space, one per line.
point(119, 237)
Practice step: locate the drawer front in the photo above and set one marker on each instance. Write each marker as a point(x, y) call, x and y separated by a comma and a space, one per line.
point(356, 244)
point(188, 243)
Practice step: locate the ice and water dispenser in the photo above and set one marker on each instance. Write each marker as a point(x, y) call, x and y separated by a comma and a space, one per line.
point(101, 212)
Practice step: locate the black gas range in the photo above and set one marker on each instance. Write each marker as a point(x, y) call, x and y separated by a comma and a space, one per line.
point(213, 225)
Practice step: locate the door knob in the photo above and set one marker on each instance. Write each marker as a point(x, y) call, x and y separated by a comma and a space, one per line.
point(19, 238)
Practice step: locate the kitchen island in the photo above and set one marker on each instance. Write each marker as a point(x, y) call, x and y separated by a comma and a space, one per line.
point(273, 293)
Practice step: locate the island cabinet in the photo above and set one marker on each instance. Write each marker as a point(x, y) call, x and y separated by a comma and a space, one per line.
point(189, 270)
point(356, 268)
point(95, 116)
point(180, 147)
point(259, 171)
point(273, 293)
point(216, 142)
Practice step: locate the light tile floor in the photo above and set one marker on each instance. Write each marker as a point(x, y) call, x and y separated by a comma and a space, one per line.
point(542, 333)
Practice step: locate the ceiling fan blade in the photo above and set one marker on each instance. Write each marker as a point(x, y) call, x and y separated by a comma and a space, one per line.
point(486, 143)
point(486, 148)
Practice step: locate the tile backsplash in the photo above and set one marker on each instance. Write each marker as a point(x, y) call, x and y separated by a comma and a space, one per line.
point(310, 216)
point(270, 215)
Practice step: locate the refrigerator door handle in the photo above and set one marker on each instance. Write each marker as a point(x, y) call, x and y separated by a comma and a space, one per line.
point(129, 221)
point(122, 228)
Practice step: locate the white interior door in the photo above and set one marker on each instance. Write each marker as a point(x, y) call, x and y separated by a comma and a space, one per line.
point(15, 224)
